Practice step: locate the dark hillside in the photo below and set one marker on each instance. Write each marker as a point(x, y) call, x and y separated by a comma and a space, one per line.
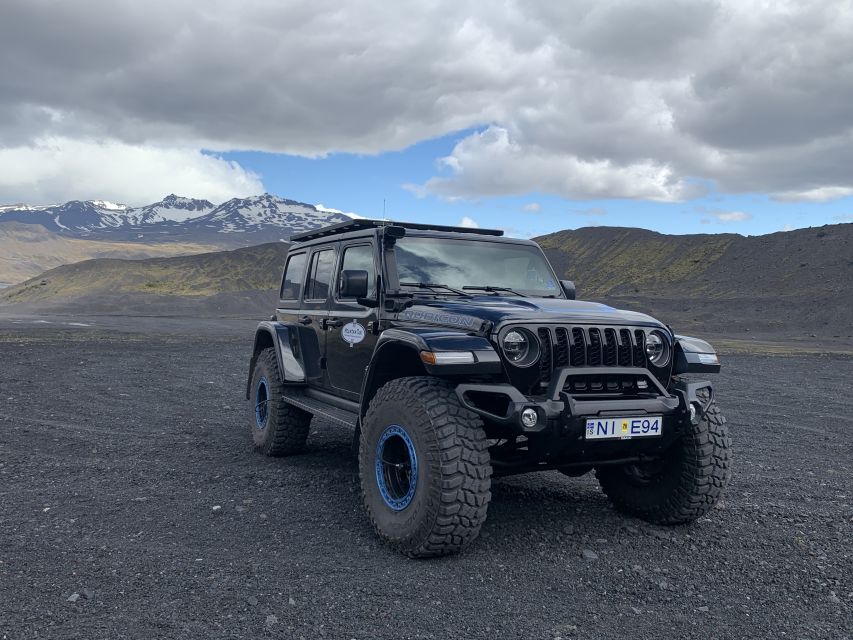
point(239, 282)
point(791, 282)
point(617, 261)
point(612, 260)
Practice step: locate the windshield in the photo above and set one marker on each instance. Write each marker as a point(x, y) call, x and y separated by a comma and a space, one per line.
point(500, 268)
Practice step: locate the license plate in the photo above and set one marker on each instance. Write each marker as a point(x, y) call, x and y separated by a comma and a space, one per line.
point(623, 428)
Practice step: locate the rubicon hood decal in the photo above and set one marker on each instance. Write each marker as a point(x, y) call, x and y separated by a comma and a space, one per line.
point(440, 317)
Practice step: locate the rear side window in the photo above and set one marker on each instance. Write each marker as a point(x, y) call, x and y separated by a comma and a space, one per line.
point(360, 258)
point(293, 273)
point(320, 275)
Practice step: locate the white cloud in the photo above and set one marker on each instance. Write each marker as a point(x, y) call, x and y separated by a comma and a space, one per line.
point(492, 163)
point(468, 223)
point(58, 169)
point(584, 99)
point(819, 194)
point(721, 215)
point(532, 207)
point(731, 216)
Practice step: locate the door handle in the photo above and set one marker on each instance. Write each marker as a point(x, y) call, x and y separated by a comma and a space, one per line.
point(332, 323)
point(305, 320)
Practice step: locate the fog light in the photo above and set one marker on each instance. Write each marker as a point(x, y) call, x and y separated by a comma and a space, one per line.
point(529, 417)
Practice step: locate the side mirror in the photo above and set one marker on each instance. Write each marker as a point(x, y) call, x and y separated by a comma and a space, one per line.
point(568, 289)
point(353, 284)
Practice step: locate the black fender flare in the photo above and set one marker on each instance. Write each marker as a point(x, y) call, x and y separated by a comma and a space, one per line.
point(693, 355)
point(398, 354)
point(283, 339)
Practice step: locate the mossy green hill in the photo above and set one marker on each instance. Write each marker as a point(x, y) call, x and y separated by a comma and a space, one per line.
point(206, 274)
point(796, 283)
point(607, 261)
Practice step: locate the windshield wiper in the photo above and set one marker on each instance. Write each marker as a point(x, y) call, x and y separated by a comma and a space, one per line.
point(434, 286)
point(496, 290)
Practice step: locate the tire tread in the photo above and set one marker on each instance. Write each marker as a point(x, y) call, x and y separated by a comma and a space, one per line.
point(704, 474)
point(288, 425)
point(463, 462)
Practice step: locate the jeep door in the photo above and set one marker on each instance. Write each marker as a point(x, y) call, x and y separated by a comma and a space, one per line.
point(313, 312)
point(353, 328)
point(288, 312)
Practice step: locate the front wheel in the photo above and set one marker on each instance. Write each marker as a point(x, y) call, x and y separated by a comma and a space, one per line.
point(424, 467)
point(278, 428)
point(684, 484)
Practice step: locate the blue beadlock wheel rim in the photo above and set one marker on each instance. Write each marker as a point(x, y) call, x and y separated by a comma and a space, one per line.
point(396, 467)
point(262, 397)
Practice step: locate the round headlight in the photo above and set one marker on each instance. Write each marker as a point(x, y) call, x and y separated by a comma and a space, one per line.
point(520, 347)
point(516, 346)
point(657, 349)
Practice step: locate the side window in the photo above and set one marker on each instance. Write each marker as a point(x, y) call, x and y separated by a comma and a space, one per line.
point(360, 258)
point(320, 274)
point(293, 273)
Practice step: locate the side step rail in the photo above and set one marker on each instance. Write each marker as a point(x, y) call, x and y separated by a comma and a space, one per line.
point(321, 409)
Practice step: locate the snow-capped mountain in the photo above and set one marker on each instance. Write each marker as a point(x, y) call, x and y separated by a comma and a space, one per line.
point(74, 217)
point(240, 215)
point(24, 207)
point(239, 221)
point(171, 208)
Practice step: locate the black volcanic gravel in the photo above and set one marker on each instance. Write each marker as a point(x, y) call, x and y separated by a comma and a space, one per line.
point(132, 506)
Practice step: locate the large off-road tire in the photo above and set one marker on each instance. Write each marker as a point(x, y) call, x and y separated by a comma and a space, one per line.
point(278, 428)
point(684, 485)
point(424, 466)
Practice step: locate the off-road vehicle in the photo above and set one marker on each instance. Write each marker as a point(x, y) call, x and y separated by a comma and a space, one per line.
point(457, 355)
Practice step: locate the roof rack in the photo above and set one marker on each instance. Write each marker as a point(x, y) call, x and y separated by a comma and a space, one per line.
point(362, 223)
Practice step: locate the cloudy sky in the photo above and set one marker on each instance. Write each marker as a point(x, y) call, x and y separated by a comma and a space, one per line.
point(681, 116)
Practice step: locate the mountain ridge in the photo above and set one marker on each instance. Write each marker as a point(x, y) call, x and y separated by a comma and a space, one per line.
point(184, 222)
point(262, 218)
point(794, 283)
point(627, 261)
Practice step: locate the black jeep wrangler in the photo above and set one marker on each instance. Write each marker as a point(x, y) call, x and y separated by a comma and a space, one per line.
point(457, 355)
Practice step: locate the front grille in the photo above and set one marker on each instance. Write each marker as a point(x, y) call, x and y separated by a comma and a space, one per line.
point(592, 346)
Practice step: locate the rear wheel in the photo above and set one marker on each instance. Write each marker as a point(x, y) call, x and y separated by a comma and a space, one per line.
point(684, 484)
point(424, 468)
point(278, 428)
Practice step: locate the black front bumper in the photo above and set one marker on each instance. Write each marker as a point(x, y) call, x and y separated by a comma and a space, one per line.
point(559, 434)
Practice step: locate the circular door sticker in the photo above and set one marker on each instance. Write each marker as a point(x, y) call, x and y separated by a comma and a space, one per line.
point(353, 333)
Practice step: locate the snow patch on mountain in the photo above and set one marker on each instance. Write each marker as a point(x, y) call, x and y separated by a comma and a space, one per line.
point(239, 215)
point(172, 208)
point(349, 214)
point(109, 206)
point(24, 207)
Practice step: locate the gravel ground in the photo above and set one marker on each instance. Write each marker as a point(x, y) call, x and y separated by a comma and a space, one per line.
point(132, 506)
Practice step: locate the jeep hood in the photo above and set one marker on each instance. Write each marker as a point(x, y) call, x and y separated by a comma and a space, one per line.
point(462, 312)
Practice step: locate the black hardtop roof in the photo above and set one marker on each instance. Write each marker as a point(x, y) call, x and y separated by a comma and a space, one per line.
point(359, 224)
